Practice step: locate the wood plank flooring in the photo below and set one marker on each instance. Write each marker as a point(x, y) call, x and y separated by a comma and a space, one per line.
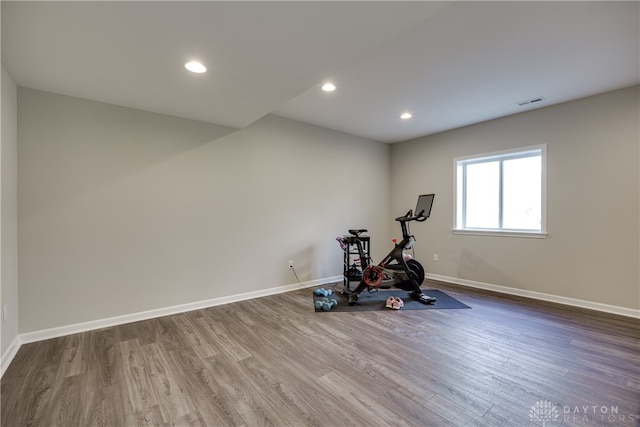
point(273, 361)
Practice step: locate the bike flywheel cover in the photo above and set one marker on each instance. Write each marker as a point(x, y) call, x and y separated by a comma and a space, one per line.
point(372, 276)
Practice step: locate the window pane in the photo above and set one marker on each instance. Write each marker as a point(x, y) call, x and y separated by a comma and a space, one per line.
point(483, 195)
point(521, 193)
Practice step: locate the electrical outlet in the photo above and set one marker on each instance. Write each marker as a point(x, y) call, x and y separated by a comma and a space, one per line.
point(435, 257)
point(290, 263)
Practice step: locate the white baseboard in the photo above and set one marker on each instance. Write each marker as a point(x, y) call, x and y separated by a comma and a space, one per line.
point(166, 311)
point(45, 334)
point(622, 311)
point(145, 315)
point(9, 354)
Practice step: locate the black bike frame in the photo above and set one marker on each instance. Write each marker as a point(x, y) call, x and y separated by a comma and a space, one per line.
point(396, 253)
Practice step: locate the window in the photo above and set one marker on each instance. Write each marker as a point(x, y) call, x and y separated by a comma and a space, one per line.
point(502, 193)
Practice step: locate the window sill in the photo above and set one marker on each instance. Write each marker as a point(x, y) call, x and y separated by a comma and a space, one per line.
point(502, 233)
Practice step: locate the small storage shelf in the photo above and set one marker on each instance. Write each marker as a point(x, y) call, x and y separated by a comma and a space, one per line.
point(352, 264)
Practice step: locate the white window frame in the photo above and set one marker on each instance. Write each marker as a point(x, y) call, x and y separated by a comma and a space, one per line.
point(505, 154)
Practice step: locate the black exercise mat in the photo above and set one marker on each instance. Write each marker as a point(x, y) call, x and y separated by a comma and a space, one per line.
point(370, 301)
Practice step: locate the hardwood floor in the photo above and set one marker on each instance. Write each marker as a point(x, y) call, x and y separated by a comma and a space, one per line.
point(273, 361)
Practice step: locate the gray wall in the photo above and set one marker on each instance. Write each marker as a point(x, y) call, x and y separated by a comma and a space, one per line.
point(591, 252)
point(8, 214)
point(123, 211)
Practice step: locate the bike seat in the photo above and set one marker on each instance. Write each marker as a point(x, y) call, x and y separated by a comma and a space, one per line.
point(357, 232)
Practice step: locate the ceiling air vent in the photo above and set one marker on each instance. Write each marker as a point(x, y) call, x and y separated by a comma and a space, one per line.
point(530, 101)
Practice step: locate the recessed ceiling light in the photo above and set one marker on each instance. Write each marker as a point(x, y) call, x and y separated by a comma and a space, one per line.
point(328, 87)
point(405, 116)
point(195, 67)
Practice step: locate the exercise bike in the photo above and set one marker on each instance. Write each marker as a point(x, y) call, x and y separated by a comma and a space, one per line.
point(396, 268)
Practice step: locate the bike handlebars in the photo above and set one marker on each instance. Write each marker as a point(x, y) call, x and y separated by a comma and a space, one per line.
point(409, 217)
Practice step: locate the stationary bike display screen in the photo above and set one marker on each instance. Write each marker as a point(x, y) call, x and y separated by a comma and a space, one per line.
point(425, 202)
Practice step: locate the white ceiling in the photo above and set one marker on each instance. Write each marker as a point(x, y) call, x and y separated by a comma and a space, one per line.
point(451, 63)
